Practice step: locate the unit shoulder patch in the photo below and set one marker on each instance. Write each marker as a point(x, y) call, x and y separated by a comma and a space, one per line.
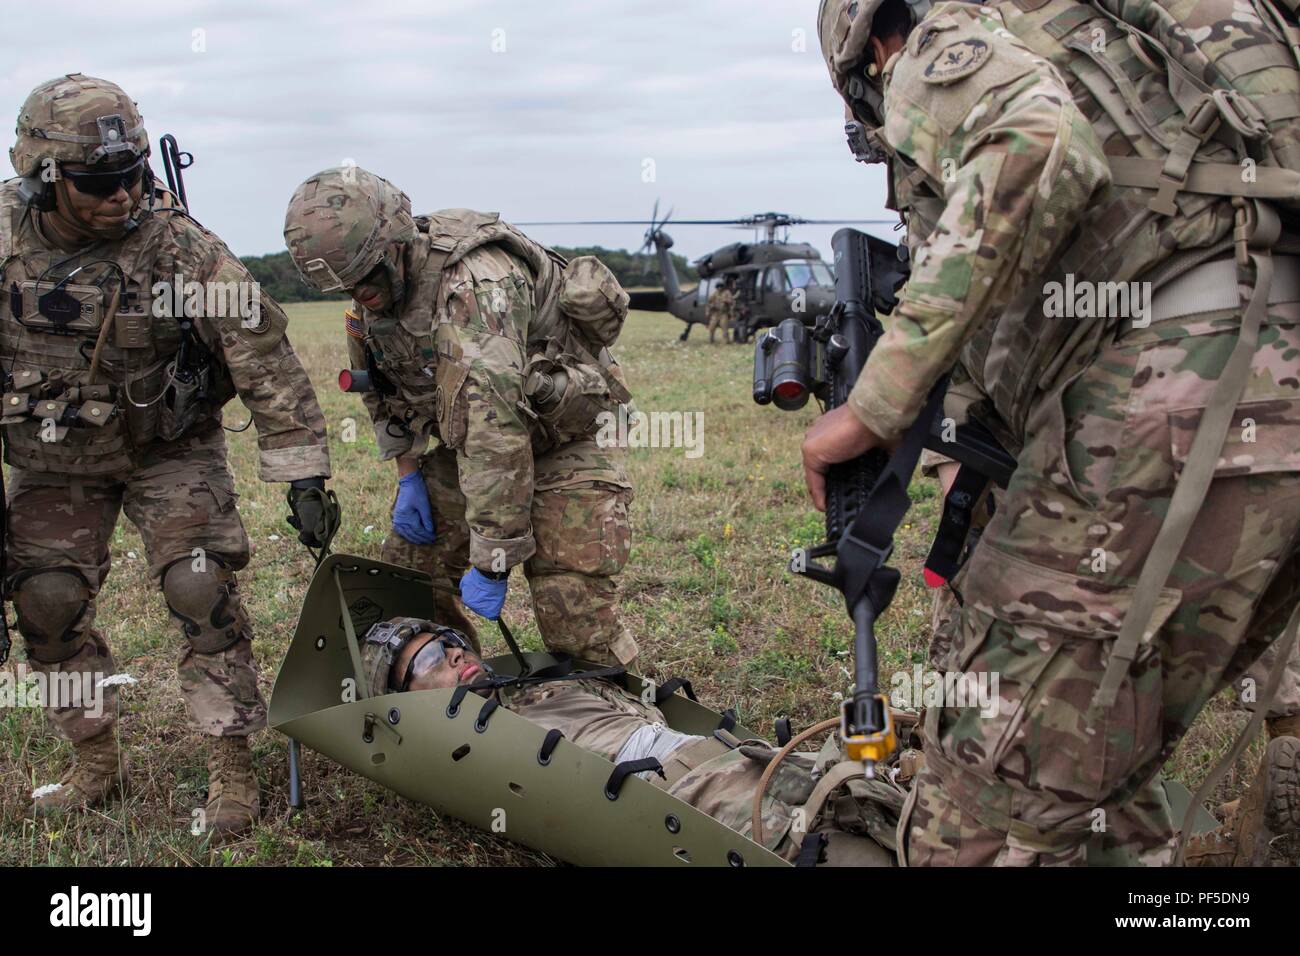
point(957, 60)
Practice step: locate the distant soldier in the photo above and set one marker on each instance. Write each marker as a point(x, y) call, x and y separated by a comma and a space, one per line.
point(1145, 552)
point(115, 380)
point(479, 338)
point(721, 309)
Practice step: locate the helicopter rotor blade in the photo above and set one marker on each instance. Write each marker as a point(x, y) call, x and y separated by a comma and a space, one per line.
point(741, 223)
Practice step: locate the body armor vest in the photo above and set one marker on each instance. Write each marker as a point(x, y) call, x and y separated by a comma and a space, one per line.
point(53, 312)
point(424, 371)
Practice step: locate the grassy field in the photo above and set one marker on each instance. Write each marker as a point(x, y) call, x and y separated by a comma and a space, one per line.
point(705, 592)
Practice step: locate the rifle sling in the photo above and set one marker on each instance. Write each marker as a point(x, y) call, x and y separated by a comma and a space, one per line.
point(866, 545)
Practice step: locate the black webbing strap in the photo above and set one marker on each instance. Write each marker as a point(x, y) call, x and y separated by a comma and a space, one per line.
point(628, 767)
point(489, 705)
point(561, 670)
point(553, 738)
point(811, 850)
point(728, 720)
point(944, 560)
point(784, 732)
point(670, 687)
point(458, 695)
point(866, 545)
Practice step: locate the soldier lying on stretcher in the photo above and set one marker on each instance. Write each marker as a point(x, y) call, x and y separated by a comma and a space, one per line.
point(717, 775)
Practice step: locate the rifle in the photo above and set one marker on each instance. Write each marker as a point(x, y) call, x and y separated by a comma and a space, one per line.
point(866, 498)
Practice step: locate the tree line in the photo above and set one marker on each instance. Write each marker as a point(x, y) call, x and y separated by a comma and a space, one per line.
point(278, 278)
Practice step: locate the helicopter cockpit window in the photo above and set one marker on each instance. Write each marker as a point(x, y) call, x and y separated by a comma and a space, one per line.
point(803, 274)
point(703, 291)
point(775, 280)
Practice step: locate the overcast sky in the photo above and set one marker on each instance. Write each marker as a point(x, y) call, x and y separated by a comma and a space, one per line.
point(538, 109)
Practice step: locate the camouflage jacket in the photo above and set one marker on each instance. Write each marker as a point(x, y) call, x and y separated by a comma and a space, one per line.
point(58, 420)
point(453, 352)
point(722, 302)
point(999, 139)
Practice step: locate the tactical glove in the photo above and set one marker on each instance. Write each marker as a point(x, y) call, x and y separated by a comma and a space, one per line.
point(315, 512)
point(413, 515)
point(484, 594)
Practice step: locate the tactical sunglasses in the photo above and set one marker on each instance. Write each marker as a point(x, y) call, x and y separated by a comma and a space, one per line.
point(105, 184)
point(432, 654)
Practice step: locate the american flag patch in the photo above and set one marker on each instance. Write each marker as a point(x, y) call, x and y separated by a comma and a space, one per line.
point(356, 328)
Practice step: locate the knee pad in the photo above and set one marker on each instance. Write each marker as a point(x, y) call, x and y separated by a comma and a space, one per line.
point(52, 610)
point(205, 604)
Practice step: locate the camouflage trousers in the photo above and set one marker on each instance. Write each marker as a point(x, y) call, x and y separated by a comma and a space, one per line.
point(583, 540)
point(1047, 589)
point(181, 497)
point(722, 319)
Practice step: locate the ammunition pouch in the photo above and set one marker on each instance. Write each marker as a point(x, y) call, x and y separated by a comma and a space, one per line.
point(567, 395)
point(80, 424)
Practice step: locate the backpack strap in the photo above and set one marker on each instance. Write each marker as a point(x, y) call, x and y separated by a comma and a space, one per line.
point(1257, 231)
point(1211, 179)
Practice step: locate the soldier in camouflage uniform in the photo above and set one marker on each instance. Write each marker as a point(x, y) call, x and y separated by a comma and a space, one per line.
point(480, 338)
point(111, 404)
point(717, 775)
point(721, 309)
point(1017, 169)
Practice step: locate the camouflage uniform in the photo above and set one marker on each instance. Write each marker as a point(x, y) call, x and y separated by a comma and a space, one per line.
point(721, 310)
point(127, 450)
point(482, 307)
point(720, 777)
point(1009, 173)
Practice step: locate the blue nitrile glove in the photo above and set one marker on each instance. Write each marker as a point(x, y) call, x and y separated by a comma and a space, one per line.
point(483, 595)
point(413, 515)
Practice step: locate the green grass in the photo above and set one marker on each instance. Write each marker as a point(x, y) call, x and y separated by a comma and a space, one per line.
point(706, 593)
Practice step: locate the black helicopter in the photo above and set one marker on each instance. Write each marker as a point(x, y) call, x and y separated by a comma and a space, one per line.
point(774, 277)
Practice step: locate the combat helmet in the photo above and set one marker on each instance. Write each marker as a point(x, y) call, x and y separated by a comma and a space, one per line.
point(843, 28)
point(73, 119)
point(384, 642)
point(342, 223)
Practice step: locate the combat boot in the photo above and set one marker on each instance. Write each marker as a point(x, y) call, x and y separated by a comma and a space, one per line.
point(99, 771)
point(233, 802)
point(1271, 807)
point(1283, 726)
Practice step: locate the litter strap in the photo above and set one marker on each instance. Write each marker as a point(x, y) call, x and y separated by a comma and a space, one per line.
point(783, 731)
point(811, 850)
point(670, 687)
point(614, 785)
point(728, 721)
point(489, 706)
point(553, 738)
